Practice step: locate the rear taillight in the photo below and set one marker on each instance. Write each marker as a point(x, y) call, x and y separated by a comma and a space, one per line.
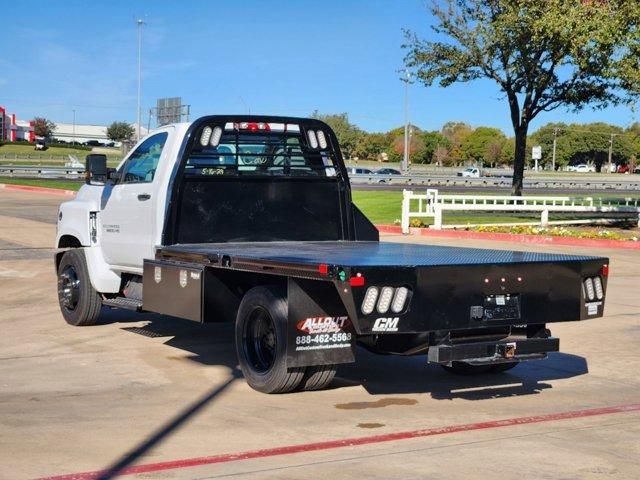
point(593, 288)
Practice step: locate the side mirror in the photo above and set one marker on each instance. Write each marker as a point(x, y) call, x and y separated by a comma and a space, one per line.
point(96, 169)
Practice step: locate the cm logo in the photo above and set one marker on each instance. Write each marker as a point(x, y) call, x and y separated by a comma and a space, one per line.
point(386, 324)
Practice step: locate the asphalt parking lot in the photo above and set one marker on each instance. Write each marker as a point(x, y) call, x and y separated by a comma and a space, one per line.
point(166, 395)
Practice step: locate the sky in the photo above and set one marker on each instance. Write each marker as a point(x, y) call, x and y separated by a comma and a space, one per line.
point(260, 57)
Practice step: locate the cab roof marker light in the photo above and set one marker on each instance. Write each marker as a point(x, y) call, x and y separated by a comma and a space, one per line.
point(206, 135)
point(215, 137)
point(313, 140)
point(597, 283)
point(399, 299)
point(369, 302)
point(322, 140)
point(385, 299)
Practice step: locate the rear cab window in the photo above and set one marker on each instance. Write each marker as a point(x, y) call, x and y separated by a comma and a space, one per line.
point(260, 149)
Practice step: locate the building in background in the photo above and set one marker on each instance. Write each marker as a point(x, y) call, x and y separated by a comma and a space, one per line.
point(79, 133)
point(13, 130)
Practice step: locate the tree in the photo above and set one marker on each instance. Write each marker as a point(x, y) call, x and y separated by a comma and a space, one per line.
point(441, 155)
point(120, 132)
point(372, 145)
point(584, 143)
point(544, 138)
point(432, 141)
point(543, 54)
point(476, 146)
point(43, 127)
point(348, 134)
point(456, 133)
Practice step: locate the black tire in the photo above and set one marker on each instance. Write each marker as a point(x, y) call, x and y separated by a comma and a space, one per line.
point(79, 302)
point(503, 367)
point(261, 341)
point(318, 377)
point(464, 368)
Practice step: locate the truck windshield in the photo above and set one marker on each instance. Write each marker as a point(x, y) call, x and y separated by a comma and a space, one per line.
point(264, 152)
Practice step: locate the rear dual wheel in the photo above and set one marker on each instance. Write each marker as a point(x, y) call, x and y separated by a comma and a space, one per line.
point(261, 345)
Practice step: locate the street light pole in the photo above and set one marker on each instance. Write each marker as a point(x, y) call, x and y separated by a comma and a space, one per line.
point(553, 158)
point(611, 150)
point(140, 23)
point(405, 158)
point(74, 126)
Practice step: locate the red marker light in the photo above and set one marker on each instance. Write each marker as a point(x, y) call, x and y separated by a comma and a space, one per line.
point(605, 270)
point(357, 281)
point(323, 269)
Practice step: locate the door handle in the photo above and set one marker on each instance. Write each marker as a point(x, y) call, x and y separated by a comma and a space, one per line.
point(144, 197)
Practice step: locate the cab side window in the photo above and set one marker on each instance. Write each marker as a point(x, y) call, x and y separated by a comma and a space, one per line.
point(141, 165)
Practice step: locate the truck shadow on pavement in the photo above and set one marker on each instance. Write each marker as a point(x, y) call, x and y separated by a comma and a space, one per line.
point(405, 375)
point(213, 344)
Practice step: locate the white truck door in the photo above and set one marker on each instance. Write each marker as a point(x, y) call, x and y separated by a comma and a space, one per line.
point(127, 218)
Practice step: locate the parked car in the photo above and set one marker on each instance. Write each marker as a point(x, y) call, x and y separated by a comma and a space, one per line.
point(471, 172)
point(388, 171)
point(584, 168)
point(358, 171)
point(41, 143)
point(624, 168)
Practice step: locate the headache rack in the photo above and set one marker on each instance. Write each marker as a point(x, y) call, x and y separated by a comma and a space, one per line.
point(259, 149)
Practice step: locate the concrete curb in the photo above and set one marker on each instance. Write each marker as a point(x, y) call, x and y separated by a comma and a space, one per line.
point(28, 188)
point(512, 237)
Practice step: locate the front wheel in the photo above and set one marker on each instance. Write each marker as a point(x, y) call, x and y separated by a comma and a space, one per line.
point(261, 341)
point(79, 302)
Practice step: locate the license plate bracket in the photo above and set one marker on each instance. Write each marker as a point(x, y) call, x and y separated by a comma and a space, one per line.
point(501, 307)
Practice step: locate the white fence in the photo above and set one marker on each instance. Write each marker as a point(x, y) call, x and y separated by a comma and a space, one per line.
point(432, 204)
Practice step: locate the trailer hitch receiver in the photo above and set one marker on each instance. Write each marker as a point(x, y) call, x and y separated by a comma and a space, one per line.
point(506, 350)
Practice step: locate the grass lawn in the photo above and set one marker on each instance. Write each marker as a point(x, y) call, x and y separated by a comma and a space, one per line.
point(27, 152)
point(62, 184)
point(385, 207)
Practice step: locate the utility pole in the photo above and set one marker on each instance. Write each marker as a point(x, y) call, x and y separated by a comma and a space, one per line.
point(553, 158)
point(405, 158)
point(140, 23)
point(610, 150)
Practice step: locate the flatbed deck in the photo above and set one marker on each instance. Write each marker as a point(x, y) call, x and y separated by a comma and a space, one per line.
point(356, 254)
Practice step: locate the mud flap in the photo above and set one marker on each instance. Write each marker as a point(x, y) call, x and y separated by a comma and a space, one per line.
point(319, 330)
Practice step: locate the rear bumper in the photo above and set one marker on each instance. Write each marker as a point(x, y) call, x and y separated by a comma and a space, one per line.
point(508, 350)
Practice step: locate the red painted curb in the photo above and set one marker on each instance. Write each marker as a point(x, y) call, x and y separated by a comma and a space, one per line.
point(390, 437)
point(28, 188)
point(513, 237)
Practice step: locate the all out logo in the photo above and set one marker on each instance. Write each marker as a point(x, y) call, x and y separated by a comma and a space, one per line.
point(315, 325)
point(386, 324)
